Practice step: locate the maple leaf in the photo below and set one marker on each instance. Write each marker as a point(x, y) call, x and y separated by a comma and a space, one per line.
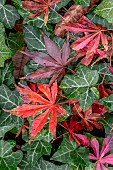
point(104, 92)
point(88, 118)
point(39, 7)
point(54, 63)
point(94, 34)
point(100, 157)
point(74, 126)
point(46, 103)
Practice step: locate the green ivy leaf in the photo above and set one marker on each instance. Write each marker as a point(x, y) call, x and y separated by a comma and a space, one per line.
point(82, 2)
point(14, 41)
point(6, 119)
point(8, 159)
point(36, 149)
point(6, 75)
point(5, 52)
point(8, 14)
point(33, 38)
point(99, 20)
point(8, 98)
point(105, 10)
point(5, 129)
point(60, 4)
point(70, 154)
point(108, 102)
point(80, 86)
point(102, 68)
point(108, 123)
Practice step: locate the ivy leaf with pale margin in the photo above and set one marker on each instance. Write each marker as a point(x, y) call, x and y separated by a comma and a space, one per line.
point(105, 10)
point(6, 119)
point(8, 98)
point(6, 75)
point(8, 14)
point(8, 159)
point(102, 68)
point(69, 153)
point(36, 149)
point(82, 2)
point(5, 52)
point(108, 102)
point(80, 86)
point(108, 123)
point(41, 164)
point(33, 38)
point(5, 129)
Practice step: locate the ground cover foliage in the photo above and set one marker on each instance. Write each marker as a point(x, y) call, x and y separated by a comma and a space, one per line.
point(56, 84)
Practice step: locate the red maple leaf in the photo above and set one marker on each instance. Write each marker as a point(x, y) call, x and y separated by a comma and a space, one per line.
point(72, 128)
point(46, 104)
point(100, 156)
point(104, 92)
point(54, 63)
point(39, 7)
point(94, 34)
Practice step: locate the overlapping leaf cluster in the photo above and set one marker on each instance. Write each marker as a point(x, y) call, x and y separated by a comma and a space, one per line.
point(56, 85)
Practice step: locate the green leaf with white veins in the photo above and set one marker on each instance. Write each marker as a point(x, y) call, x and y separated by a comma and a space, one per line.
point(8, 99)
point(82, 2)
point(80, 86)
point(108, 102)
point(5, 52)
point(5, 129)
point(8, 159)
point(68, 152)
point(33, 38)
point(105, 10)
point(8, 14)
point(36, 149)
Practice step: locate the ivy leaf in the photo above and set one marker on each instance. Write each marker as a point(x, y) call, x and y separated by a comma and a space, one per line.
point(108, 102)
point(5, 52)
point(82, 2)
point(7, 119)
point(14, 41)
point(8, 99)
point(80, 86)
point(68, 153)
point(105, 10)
point(5, 129)
point(8, 14)
point(6, 75)
point(36, 149)
point(60, 4)
point(108, 123)
point(33, 38)
point(9, 159)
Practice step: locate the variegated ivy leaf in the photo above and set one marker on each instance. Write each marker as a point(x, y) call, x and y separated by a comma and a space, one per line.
point(6, 75)
point(5, 129)
point(8, 98)
point(80, 86)
point(99, 20)
point(105, 10)
point(41, 164)
point(102, 68)
point(5, 52)
point(70, 154)
point(8, 14)
point(36, 149)
point(83, 2)
point(33, 38)
point(108, 102)
point(9, 159)
point(6, 119)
